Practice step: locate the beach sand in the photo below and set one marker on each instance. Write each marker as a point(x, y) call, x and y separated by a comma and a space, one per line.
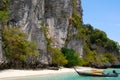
point(11, 73)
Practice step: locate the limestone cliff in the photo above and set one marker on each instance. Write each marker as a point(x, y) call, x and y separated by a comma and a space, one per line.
point(32, 15)
point(1, 55)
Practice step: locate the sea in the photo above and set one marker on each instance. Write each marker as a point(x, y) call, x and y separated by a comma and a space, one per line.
point(68, 76)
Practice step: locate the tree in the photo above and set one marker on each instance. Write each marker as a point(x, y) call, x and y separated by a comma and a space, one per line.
point(89, 28)
point(89, 55)
point(16, 46)
point(57, 56)
point(98, 37)
point(72, 57)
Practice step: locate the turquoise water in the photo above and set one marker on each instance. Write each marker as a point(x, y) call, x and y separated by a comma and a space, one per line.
point(68, 76)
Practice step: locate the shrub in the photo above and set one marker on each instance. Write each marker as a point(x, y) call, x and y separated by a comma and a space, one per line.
point(16, 46)
point(101, 58)
point(57, 56)
point(111, 57)
point(72, 57)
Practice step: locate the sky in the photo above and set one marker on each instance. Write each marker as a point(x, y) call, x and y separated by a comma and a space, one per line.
point(103, 15)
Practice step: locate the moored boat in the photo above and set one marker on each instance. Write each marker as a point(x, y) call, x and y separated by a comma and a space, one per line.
point(97, 74)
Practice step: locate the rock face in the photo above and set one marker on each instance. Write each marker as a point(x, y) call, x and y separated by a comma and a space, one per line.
point(79, 8)
point(1, 55)
point(32, 15)
point(77, 45)
point(29, 15)
point(57, 16)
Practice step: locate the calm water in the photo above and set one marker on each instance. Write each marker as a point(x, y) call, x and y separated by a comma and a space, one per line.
point(68, 76)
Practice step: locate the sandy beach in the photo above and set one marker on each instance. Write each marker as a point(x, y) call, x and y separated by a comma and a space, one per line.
point(11, 73)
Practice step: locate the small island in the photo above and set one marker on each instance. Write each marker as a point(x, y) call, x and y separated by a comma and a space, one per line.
point(37, 35)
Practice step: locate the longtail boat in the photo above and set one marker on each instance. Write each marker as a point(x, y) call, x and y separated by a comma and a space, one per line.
point(100, 74)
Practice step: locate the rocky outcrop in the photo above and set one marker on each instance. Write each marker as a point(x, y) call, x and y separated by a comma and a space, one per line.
point(32, 15)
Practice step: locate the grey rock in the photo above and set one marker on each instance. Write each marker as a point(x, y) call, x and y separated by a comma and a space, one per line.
point(77, 45)
point(1, 53)
point(57, 16)
point(31, 15)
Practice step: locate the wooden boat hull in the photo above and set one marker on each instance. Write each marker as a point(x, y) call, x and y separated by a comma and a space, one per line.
point(97, 75)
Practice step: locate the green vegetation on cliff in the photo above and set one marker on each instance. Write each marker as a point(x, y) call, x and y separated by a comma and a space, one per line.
point(57, 56)
point(100, 39)
point(72, 57)
point(4, 11)
point(16, 46)
point(99, 48)
point(76, 20)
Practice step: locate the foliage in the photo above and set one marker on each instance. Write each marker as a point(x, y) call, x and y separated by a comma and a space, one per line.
point(4, 10)
point(112, 46)
point(101, 58)
point(74, 7)
point(100, 39)
point(89, 55)
point(4, 4)
point(49, 40)
point(77, 22)
point(72, 57)
point(16, 46)
point(3, 16)
point(57, 56)
point(92, 57)
point(111, 57)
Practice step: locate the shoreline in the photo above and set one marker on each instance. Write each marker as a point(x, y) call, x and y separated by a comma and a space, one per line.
point(12, 73)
